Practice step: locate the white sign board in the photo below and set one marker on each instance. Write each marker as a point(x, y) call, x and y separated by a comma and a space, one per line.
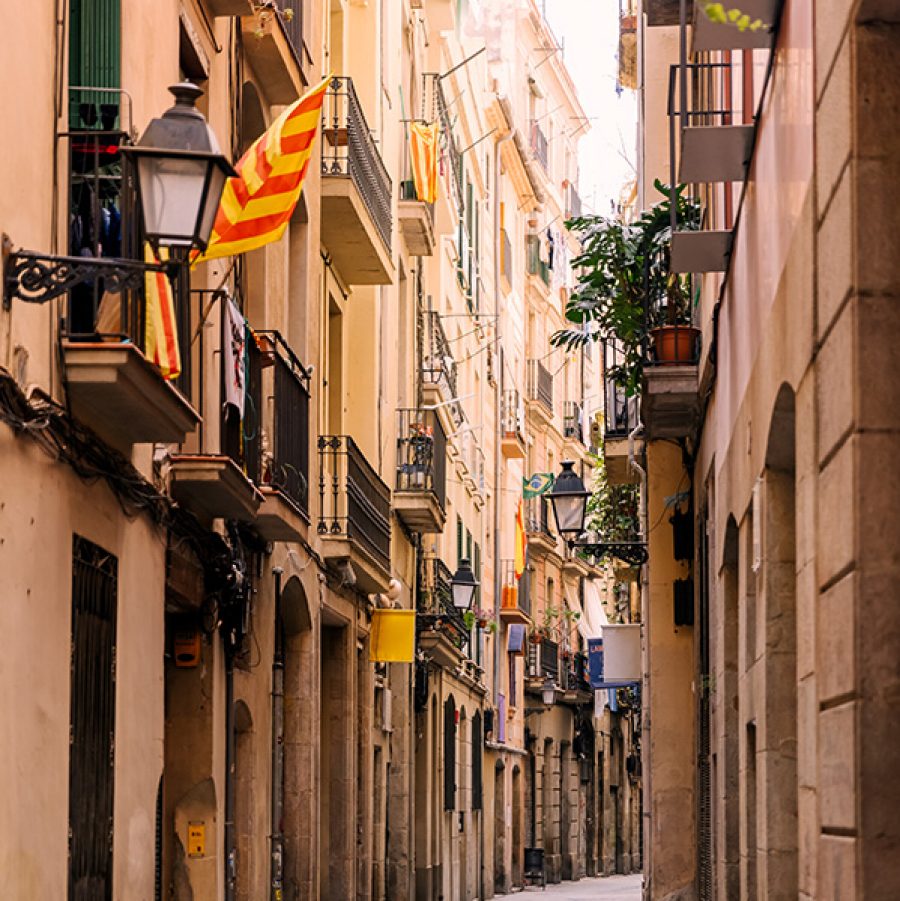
point(622, 652)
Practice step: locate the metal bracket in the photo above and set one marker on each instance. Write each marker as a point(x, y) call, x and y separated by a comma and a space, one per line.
point(39, 277)
point(632, 552)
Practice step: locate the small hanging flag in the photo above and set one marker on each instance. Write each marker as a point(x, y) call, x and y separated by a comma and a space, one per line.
point(235, 338)
point(423, 145)
point(521, 547)
point(540, 483)
point(161, 330)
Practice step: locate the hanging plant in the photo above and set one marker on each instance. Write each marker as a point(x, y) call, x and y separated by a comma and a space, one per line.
point(265, 11)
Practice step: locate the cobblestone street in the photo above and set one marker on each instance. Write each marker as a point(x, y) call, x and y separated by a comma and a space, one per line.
point(607, 888)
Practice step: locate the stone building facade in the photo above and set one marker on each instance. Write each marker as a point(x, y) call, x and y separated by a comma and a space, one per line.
point(770, 717)
point(191, 586)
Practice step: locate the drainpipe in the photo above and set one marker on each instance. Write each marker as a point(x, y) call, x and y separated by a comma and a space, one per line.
point(498, 435)
point(498, 410)
point(645, 661)
point(277, 849)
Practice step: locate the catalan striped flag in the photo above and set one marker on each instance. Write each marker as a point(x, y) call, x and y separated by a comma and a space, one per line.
point(258, 203)
point(423, 147)
point(521, 542)
point(160, 329)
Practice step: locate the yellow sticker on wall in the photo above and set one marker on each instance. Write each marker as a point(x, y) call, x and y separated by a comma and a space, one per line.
point(196, 840)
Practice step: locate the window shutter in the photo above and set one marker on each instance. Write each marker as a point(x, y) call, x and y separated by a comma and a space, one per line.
point(94, 57)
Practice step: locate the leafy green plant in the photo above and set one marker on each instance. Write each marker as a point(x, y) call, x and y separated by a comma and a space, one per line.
point(719, 13)
point(612, 510)
point(625, 287)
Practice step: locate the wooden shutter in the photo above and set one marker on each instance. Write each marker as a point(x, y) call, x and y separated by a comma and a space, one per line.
point(477, 761)
point(450, 754)
point(94, 56)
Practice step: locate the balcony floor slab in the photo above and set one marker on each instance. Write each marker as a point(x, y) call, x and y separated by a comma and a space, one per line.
point(214, 487)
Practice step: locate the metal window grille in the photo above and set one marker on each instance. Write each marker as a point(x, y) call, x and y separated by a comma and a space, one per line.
point(92, 721)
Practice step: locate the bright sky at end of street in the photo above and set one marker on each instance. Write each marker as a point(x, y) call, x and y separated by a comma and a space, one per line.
point(589, 32)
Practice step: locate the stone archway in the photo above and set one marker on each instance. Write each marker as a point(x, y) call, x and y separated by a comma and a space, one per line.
point(776, 752)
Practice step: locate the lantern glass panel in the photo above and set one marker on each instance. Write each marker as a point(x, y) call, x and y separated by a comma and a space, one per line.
point(569, 511)
point(171, 195)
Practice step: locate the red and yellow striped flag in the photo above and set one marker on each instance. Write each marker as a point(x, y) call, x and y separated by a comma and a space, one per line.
point(160, 330)
point(521, 542)
point(257, 205)
point(423, 146)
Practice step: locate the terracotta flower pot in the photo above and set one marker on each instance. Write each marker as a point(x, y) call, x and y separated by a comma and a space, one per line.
point(674, 344)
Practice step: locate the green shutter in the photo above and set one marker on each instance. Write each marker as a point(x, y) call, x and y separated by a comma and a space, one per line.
point(94, 61)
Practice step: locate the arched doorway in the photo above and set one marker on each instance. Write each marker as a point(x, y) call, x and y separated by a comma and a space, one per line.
point(777, 746)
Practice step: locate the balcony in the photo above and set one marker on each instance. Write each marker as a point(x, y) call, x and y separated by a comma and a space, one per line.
point(416, 221)
point(515, 603)
point(709, 143)
point(573, 203)
point(213, 487)
point(573, 678)
point(670, 402)
point(111, 386)
point(283, 476)
point(541, 540)
point(272, 55)
point(540, 146)
point(543, 661)
point(506, 259)
point(536, 267)
point(621, 417)
point(354, 515)
point(421, 485)
point(540, 392)
point(439, 385)
point(513, 443)
point(356, 191)
point(442, 632)
point(441, 109)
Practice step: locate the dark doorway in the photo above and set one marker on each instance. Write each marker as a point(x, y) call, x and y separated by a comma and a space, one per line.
point(92, 721)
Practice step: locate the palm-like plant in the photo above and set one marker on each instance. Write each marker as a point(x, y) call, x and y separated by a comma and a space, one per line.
point(625, 286)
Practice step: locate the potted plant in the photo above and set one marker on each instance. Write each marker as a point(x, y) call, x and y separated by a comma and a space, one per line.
point(626, 291)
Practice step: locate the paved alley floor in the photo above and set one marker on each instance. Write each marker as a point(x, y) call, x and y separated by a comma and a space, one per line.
point(605, 888)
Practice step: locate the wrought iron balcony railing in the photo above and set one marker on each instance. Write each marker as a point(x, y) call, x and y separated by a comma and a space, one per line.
point(514, 592)
point(513, 415)
point(540, 385)
point(438, 364)
point(574, 674)
point(620, 411)
point(573, 421)
point(539, 145)
point(286, 461)
point(422, 453)
point(448, 142)
point(435, 608)
point(543, 659)
point(537, 516)
point(354, 503)
point(348, 149)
